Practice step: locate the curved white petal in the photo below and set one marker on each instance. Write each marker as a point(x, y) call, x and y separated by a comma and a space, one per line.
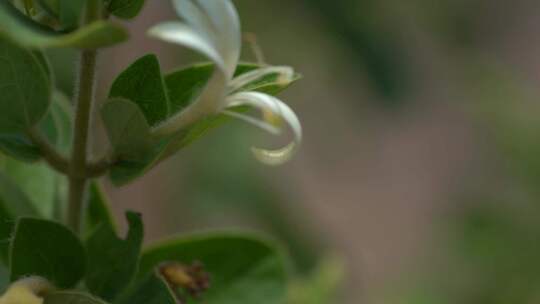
point(218, 20)
point(268, 127)
point(285, 74)
point(182, 34)
point(275, 112)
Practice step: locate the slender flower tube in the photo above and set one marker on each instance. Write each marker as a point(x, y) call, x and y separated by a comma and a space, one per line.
point(212, 28)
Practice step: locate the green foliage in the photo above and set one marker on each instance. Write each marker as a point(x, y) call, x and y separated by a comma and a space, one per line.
point(149, 290)
point(89, 263)
point(47, 249)
point(127, 129)
point(261, 263)
point(24, 86)
point(126, 9)
point(137, 152)
point(98, 214)
point(56, 127)
point(68, 12)
point(143, 84)
point(14, 203)
point(111, 270)
point(39, 183)
point(29, 33)
point(71, 297)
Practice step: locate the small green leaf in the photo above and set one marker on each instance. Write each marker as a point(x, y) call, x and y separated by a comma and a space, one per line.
point(143, 84)
point(29, 33)
point(68, 12)
point(98, 213)
point(56, 127)
point(71, 297)
point(112, 262)
point(38, 181)
point(148, 290)
point(127, 129)
point(242, 268)
point(46, 249)
point(25, 89)
point(13, 204)
point(126, 9)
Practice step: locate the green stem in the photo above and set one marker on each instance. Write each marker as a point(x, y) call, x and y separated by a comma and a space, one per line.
point(56, 160)
point(83, 113)
point(79, 156)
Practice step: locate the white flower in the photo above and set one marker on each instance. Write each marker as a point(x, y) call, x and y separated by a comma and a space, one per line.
point(212, 27)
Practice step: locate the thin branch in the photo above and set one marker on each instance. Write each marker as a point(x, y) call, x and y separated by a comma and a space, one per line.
point(56, 160)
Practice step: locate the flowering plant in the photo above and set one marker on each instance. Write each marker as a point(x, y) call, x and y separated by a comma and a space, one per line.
point(67, 249)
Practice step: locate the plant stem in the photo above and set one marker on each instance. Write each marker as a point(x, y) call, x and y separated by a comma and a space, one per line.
point(79, 156)
point(83, 113)
point(56, 160)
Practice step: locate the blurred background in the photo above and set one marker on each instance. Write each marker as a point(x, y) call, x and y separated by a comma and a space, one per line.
point(418, 180)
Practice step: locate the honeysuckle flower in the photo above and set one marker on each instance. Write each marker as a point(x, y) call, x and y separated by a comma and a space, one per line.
point(26, 291)
point(212, 28)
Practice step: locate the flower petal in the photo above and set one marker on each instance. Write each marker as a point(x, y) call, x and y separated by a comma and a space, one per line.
point(275, 112)
point(182, 34)
point(219, 21)
point(283, 73)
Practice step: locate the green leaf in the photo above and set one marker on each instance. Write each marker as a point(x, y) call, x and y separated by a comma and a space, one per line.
point(56, 127)
point(183, 87)
point(243, 268)
point(38, 182)
point(98, 213)
point(149, 290)
point(127, 129)
point(46, 249)
point(126, 9)
point(13, 204)
point(112, 262)
point(25, 89)
point(68, 12)
point(143, 84)
point(29, 33)
point(71, 297)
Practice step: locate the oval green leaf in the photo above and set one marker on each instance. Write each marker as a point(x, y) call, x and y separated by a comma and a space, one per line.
point(56, 127)
point(46, 249)
point(25, 88)
point(143, 84)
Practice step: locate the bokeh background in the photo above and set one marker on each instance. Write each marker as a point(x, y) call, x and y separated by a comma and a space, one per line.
point(418, 180)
